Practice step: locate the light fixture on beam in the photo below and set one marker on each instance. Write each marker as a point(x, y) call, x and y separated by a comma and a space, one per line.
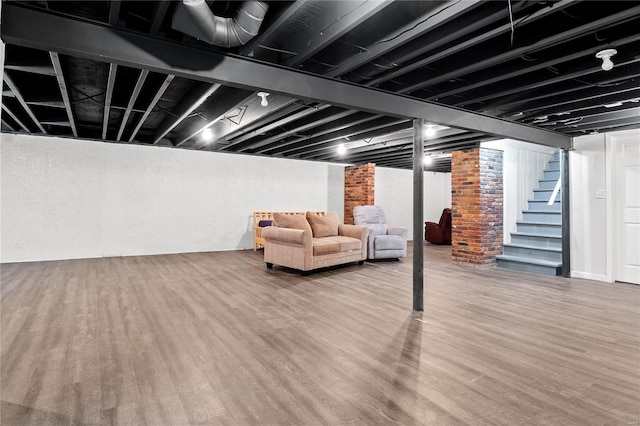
point(263, 95)
point(427, 160)
point(342, 150)
point(606, 55)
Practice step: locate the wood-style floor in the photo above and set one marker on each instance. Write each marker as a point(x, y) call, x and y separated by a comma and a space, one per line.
point(216, 338)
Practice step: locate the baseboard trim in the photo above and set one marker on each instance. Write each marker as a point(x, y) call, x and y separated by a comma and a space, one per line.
point(590, 276)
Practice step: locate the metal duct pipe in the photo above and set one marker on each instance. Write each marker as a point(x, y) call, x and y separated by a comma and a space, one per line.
point(193, 17)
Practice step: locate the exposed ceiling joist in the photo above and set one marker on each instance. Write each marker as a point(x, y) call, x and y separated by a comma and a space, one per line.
point(132, 100)
point(192, 100)
point(275, 124)
point(39, 30)
point(7, 125)
point(316, 120)
point(163, 87)
point(16, 119)
point(329, 26)
point(55, 60)
point(440, 16)
point(113, 69)
point(25, 106)
point(484, 36)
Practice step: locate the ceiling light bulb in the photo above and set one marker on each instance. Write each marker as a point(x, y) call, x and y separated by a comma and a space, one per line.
point(429, 131)
point(427, 160)
point(606, 55)
point(263, 96)
point(207, 134)
point(342, 149)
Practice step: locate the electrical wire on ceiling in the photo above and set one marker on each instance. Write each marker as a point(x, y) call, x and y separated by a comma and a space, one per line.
point(511, 22)
point(415, 26)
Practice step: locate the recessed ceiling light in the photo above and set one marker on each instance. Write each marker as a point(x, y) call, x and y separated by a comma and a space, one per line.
point(207, 135)
point(342, 149)
point(427, 160)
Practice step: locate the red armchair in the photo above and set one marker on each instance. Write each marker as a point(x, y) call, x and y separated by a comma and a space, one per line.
point(439, 233)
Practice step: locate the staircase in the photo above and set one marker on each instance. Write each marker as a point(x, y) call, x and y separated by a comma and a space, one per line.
point(536, 246)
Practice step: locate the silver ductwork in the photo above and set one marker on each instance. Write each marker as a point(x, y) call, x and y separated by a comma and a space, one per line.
point(193, 17)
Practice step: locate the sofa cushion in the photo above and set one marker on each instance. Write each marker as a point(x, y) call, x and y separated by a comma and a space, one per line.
point(325, 246)
point(323, 226)
point(388, 242)
point(347, 243)
point(294, 221)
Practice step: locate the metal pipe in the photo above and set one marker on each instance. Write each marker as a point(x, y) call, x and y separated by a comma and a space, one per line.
point(193, 17)
point(566, 218)
point(418, 216)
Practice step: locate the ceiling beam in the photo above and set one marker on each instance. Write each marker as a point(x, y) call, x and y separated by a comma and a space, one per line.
point(114, 12)
point(160, 12)
point(443, 13)
point(275, 124)
point(163, 87)
point(458, 47)
point(14, 88)
point(315, 121)
point(7, 125)
point(366, 132)
point(338, 18)
point(39, 30)
point(55, 60)
point(113, 68)
point(192, 100)
point(132, 100)
point(6, 109)
point(33, 69)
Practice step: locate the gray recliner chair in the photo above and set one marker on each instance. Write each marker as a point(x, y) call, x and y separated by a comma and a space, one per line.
point(384, 242)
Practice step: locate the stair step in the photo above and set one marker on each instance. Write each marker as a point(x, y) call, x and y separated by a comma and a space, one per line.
point(536, 240)
point(547, 183)
point(537, 266)
point(556, 156)
point(531, 252)
point(552, 174)
point(542, 205)
point(542, 216)
point(554, 165)
point(542, 228)
point(544, 194)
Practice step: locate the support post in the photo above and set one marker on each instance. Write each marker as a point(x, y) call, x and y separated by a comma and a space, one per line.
point(566, 207)
point(418, 216)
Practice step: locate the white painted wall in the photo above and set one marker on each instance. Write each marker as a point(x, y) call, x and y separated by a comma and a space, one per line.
point(394, 193)
point(588, 190)
point(523, 166)
point(64, 199)
point(593, 206)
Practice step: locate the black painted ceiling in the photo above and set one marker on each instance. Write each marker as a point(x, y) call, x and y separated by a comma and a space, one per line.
point(527, 61)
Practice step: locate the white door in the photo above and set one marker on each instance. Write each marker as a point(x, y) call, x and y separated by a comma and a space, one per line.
point(627, 208)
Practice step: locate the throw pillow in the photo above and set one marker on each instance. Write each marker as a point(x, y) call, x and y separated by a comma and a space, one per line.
point(295, 221)
point(323, 226)
point(265, 223)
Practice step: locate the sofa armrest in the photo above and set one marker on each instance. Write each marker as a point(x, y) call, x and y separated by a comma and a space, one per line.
point(287, 235)
point(359, 232)
point(399, 231)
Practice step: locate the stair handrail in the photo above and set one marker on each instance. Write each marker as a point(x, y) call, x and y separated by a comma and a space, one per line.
point(554, 194)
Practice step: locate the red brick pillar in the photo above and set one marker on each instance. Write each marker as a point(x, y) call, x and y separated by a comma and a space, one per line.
point(476, 201)
point(359, 182)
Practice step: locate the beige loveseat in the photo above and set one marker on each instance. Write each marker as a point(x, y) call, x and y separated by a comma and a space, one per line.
point(311, 241)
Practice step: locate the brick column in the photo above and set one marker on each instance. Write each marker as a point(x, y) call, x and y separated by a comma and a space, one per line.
point(359, 182)
point(476, 200)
